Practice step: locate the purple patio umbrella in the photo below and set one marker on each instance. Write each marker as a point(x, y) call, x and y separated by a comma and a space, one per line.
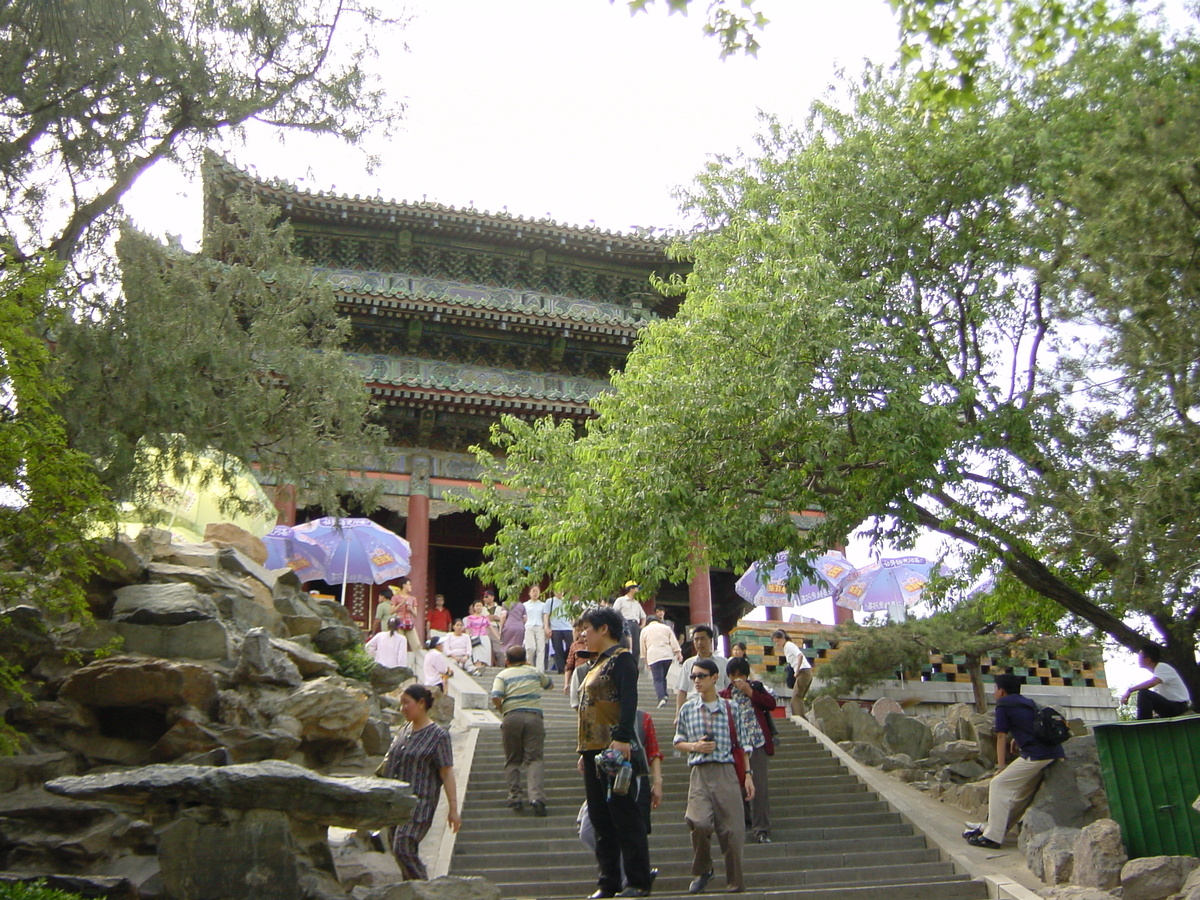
point(765, 583)
point(307, 560)
point(358, 551)
point(890, 582)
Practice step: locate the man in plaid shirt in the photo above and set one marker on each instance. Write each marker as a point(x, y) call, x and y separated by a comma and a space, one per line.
point(705, 731)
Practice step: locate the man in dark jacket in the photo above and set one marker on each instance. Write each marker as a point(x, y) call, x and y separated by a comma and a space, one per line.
point(1012, 788)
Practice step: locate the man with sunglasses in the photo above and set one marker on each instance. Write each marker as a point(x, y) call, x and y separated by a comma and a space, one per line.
point(706, 731)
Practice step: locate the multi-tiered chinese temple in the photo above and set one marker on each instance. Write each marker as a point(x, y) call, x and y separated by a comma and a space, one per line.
point(461, 316)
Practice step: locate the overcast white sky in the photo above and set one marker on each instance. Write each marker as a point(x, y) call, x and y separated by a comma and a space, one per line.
point(571, 109)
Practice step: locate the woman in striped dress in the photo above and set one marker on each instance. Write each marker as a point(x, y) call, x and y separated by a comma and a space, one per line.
point(421, 755)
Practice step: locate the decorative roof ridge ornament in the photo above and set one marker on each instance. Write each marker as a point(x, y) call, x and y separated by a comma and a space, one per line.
point(642, 238)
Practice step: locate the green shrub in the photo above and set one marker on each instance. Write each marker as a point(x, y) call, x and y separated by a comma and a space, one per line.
point(355, 663)
point(35, 890)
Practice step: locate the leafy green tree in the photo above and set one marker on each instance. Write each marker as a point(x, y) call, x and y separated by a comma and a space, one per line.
point(49, 492)
point(979, 321)
point(93, 94)
point(236, 348)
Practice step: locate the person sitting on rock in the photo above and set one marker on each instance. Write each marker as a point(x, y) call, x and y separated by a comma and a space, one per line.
point(1012, 788)
point(389, 648)
point(1163, 694)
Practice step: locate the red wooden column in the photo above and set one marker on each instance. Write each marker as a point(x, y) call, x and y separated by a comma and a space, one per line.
point(418, 537)
point(700, 597)
point(285, 504)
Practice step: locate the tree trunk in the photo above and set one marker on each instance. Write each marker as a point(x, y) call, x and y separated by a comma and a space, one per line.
point(972, 666)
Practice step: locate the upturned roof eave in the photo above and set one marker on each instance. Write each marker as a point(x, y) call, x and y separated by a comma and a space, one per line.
point(429, 216)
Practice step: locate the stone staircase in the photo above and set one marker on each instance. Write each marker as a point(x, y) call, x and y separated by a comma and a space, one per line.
point(832, 837)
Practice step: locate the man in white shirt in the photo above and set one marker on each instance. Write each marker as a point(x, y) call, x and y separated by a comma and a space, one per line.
point(801, 667)
point(1163, 694)
point(703, 637)
point(537, 628)
point(659, 648)
point(633, 614)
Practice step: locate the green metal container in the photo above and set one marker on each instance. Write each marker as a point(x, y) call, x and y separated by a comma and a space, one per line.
point(1152, 775)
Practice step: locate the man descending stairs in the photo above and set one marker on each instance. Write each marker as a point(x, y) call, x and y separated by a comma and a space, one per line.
point(833, 839)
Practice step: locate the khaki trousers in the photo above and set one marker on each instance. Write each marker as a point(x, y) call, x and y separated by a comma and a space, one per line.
point(523, 734)
point(803, 682)
point(1008, 794)
point(714, 804)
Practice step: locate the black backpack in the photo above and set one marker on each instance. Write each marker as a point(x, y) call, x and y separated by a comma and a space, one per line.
point(1050, 726)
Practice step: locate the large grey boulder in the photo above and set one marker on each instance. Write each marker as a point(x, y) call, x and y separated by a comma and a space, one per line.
point(1050, 855)
point(162, 604)
point(1099, 855)
point(943, 732)
point(386, 678)
point(826, 714)
point(33, 769)
point(1156, 877)
point(331, 609)
point(1071, 794)
point(954, 751)
point(212, 855)
point(862, 751)
point(121, 681)
point(208, 580)
point(305, 795)
point(884, 707)
point(44, 833)
point(1191, 887)
point(863, 726)
point(208, 639)
point(985, 739)
point(329, 709)
point(118, 560)
point(310, 663)
point(188, 739)
point(260, 662)
point(336, 638)
point(245, 614)
point(904, 734)
point(24, 637)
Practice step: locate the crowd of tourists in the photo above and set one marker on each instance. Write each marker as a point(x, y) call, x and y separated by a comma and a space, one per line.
point(723, 724)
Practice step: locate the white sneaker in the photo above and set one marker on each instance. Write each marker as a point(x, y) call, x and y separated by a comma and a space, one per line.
point(662, 702)
point(971, 829)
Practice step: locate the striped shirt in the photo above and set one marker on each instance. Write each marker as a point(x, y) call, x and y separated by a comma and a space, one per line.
point(520, 687)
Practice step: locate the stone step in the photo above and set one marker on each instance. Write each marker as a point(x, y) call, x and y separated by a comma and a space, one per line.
point(556, 815)
point(676, 879)
point(833, 838)
point(563, 865)
point(789, 844)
